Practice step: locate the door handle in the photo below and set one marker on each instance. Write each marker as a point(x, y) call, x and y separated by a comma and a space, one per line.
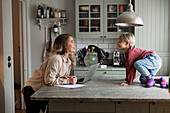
point(9, 64)
point(9, 58)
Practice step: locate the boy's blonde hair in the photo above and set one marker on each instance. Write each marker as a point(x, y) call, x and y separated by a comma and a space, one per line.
point(127, 37)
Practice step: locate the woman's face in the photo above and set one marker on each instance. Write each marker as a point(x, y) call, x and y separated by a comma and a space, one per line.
point(71, 45)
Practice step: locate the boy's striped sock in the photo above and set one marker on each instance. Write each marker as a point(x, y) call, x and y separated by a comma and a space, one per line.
point(150, 82)
point(161, 81)
point(148, 76)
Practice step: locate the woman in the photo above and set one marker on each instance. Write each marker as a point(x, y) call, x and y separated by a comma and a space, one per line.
point(54, 70)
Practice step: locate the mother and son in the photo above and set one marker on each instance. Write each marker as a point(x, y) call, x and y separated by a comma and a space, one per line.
point(56, 68)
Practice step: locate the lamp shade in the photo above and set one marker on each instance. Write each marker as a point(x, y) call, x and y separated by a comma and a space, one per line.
point(129, 18)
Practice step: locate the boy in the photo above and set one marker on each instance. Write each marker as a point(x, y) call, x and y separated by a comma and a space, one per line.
point(146, 62)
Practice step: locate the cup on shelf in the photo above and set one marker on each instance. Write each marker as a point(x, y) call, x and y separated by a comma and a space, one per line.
point(121, 8)
point(112, 8)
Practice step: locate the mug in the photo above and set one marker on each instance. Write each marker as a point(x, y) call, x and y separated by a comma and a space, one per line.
point(112, 8)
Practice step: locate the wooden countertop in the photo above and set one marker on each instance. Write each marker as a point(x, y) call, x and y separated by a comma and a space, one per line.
point(105, 88)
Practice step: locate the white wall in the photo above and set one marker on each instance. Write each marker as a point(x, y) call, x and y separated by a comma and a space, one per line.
point(154, 34)
point(38, 37)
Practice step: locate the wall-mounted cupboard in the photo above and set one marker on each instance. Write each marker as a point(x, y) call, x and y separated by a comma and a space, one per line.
point(96, 18)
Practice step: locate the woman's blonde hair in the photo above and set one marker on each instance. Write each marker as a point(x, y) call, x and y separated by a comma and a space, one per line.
point(127, 37)
point(59, 47)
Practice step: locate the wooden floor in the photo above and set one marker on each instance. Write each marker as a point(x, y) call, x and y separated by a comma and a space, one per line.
point(20, 111)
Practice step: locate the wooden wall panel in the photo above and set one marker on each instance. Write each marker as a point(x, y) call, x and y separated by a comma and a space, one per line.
point(154, 34)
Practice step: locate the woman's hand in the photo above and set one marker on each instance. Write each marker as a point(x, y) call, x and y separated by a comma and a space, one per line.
point(123, 84)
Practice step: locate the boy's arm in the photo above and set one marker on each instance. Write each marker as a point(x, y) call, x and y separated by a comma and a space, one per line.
point(130, 73)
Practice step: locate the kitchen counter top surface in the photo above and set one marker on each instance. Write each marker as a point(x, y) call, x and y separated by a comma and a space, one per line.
point(109, 68)
point(105, 88)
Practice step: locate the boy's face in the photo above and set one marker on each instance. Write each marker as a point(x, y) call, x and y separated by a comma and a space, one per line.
point(123, 45)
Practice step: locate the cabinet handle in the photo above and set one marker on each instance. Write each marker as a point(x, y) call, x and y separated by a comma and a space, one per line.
point(153, 102)
point(104, 72)
point(118, 102)
point(104, 36)
point(101, 36)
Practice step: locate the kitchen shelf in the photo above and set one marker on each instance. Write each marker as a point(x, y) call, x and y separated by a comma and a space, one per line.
point(50, 21)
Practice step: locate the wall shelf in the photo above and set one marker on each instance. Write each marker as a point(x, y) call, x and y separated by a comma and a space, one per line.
point(44, 22)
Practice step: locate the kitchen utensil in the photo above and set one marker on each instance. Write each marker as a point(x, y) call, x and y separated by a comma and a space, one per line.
point(116, 59)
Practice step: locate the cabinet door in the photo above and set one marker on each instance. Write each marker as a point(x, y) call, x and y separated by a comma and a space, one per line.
point(112, 9)
point(89, 18)
point(160, 107)
point(132, 107)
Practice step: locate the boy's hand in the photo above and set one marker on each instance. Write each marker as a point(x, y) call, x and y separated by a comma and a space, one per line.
point(123, 84)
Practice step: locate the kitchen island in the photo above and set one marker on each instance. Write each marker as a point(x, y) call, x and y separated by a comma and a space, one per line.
point(104, 94)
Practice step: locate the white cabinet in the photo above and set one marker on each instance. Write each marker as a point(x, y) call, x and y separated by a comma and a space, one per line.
point(96, 18)
point(102, 72)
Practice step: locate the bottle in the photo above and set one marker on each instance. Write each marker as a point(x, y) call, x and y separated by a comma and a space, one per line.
point(39, 11)
point(51, 13)
point(55, 28)
point(42, 12)
point(45, 13)
point(48, 12)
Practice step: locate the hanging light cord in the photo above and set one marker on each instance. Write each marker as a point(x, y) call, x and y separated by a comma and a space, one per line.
point(130, 7)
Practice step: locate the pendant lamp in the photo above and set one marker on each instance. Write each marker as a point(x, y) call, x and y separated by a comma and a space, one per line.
point(129, 18)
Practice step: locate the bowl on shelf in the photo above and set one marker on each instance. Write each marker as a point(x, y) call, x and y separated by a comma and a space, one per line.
point(96, 9)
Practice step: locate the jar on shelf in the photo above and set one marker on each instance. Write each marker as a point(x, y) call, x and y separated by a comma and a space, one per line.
point(86, 22)
point(57, 13)
point(63, 13)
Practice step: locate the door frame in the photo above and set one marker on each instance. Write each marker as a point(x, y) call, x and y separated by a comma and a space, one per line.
point(25, 50)
point(6, 56)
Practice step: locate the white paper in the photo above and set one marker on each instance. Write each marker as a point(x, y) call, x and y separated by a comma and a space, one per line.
point(71, 86)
